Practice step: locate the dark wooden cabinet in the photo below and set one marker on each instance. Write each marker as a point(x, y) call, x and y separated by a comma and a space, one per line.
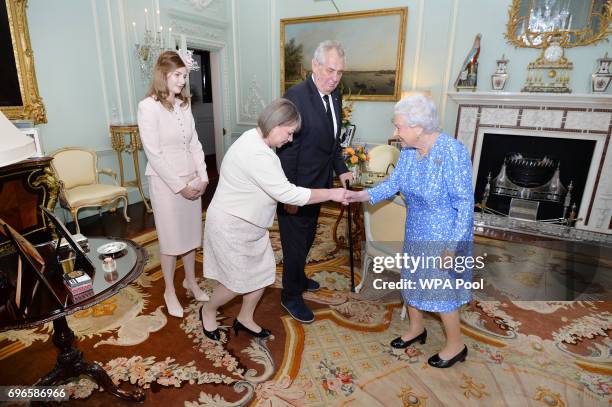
point(24, 186)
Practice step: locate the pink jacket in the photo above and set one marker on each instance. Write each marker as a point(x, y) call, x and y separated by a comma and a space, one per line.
point(170, 143)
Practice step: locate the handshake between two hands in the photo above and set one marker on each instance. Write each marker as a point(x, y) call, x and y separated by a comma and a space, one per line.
point(341, 195)
point(346, 196)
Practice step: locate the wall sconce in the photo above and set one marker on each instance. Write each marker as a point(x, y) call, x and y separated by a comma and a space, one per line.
point(152, 45)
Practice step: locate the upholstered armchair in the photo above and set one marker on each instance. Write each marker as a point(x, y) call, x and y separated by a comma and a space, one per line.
point(383, 158)
point(80, 187)
point(384, 225)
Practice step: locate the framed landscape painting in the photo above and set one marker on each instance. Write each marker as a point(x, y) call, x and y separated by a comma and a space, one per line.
point(373, 41)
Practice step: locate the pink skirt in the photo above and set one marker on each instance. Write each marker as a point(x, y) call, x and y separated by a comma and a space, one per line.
point(178, 220)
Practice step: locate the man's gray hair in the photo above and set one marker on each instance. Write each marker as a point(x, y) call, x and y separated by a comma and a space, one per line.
point(419, 111)
point(325, 46)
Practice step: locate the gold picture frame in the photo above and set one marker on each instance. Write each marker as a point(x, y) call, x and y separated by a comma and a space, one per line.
point(372, 72)
point(596, 28)
point(19, 97)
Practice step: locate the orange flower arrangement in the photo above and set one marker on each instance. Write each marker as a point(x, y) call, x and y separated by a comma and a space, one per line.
point(355, 155)
point(347, 111)
point(347, 108)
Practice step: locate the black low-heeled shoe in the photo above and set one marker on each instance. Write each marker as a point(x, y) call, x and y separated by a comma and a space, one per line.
point(399, 343)
point(212, 335)
point(237, 325)
point(436, 361)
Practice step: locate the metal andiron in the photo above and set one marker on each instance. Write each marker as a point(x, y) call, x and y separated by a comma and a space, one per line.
point(529, 179)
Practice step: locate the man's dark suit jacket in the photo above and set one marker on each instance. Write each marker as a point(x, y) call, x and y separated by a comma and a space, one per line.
point(309, 160)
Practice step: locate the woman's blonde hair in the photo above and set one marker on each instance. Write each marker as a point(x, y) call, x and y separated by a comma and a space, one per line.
point(168, 62)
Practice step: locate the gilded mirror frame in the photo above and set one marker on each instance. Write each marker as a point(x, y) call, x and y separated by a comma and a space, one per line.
point(31, 106)
point(566, 38)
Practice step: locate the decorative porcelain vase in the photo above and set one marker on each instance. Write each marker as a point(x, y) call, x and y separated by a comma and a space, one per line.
point(499, 78)
point(600, 80)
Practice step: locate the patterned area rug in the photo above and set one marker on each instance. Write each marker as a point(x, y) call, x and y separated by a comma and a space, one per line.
point(521, 353)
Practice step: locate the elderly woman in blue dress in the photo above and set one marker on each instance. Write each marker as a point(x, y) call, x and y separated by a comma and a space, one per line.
point(434, 174)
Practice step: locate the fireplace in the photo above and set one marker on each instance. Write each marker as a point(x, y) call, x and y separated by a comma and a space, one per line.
point(534, 134)
point(550, 171)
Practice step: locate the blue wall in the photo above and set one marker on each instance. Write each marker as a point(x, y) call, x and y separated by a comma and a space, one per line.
point(439, 34)
point(88, 78)
point(86, 69)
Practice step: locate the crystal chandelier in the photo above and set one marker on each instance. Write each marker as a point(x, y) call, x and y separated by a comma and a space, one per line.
point(152, 45)
point(550, 16)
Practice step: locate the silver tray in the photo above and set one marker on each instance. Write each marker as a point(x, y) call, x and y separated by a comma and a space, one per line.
point(112, 247)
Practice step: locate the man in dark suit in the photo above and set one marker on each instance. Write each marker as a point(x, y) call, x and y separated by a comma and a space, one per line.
point(310, 161)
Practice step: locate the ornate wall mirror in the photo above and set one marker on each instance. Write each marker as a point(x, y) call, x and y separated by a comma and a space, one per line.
point(532, 23)
point(19, 98)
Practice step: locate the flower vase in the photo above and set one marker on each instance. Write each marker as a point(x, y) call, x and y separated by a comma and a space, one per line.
point(356, 170)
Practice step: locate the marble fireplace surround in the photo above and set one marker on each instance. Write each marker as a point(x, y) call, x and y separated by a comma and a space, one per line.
point(576, 116)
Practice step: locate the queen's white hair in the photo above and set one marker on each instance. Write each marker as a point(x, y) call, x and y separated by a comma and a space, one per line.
point(325, 46)
point(419, 111)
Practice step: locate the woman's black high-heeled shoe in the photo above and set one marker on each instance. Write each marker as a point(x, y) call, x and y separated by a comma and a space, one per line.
point(212, 335)
point(435, 360)
point(264, 333)
point(399, 343)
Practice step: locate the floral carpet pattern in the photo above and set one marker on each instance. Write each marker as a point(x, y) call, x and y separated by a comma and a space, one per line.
point(537, 353)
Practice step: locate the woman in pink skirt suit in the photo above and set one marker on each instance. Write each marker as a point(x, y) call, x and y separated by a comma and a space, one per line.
point(176, 171)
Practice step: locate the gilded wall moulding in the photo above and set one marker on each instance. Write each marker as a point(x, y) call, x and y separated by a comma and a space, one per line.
point(19, 98)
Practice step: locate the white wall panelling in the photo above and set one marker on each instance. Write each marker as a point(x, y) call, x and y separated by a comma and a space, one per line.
point(252, 58)
point(419, 45)
point(449, 58)
point(127, 45)
point(94, 14)
point(206, 5)
point(111, 33)
point(254, 103)
point(210, 34)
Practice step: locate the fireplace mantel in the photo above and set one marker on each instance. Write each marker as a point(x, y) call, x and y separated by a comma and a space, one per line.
point(586, 116)
point(586, 100)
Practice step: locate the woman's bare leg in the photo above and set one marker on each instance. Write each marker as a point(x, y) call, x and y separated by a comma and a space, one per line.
point(191, 283)
point(168, 266)
point(416, 326)
point(249, 303)
point(454, 340)
point(220, 296)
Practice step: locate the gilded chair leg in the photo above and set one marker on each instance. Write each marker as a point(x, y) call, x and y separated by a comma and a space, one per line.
point(125, 207)
point(75, 218)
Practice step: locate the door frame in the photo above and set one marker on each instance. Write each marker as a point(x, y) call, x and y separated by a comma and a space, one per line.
point(219, 79)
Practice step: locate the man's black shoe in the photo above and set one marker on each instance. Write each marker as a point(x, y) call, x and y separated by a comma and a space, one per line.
point(312, 285)
point(298, 310)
